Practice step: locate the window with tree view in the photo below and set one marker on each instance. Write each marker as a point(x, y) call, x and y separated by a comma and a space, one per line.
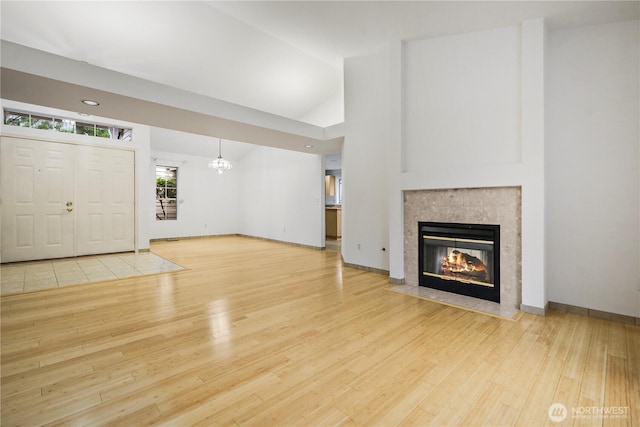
point(166, 192)
point(59, 124)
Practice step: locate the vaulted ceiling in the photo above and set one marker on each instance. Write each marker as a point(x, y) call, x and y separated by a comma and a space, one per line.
point(279, 57)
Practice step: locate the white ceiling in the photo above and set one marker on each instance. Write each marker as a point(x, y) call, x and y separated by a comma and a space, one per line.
point(280, 57)
point(333, 30)
point(185, 44)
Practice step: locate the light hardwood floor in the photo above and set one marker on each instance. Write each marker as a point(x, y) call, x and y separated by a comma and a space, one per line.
point(261, 333)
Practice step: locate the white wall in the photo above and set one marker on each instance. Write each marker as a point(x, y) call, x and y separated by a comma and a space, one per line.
point(281, 196)
point(270, 193)
point(208, 202)
point(462, 102)
point(365, 215)
point(592, 164)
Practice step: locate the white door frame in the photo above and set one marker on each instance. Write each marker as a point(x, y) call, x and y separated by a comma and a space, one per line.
point(4, 187)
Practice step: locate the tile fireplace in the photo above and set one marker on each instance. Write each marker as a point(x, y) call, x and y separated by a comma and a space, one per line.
point(498, 206)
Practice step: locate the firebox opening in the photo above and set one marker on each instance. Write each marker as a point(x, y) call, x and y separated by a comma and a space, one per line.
point(460, 258)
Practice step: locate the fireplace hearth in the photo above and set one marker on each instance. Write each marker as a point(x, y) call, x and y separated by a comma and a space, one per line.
point(460, 258)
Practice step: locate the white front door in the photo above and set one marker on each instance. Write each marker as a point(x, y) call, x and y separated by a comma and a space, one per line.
point(105, 198)
point(37, 183)
point(61, 200)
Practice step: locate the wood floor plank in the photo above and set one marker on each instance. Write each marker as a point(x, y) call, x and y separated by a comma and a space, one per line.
point(632, 334)
point(594, 378)
point(616, 392)
point(483, 411)
point(259, 333)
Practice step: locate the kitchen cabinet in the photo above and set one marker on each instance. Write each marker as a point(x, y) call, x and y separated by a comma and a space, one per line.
point(333, 222)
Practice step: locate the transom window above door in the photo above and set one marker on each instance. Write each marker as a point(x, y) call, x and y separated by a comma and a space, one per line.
point(60, 124)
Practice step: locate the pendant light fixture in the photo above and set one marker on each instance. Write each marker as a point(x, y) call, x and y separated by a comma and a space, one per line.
point(220, 164)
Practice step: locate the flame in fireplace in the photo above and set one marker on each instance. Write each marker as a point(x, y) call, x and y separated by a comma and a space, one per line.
point(460, 263)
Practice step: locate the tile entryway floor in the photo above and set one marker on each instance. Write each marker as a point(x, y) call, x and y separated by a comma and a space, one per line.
point(36, 275)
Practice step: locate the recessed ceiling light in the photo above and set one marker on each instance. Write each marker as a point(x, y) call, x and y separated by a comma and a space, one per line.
point(309, 146)
point(90, 102)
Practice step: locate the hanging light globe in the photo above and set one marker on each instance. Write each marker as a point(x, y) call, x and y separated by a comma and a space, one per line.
point(220, 164)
